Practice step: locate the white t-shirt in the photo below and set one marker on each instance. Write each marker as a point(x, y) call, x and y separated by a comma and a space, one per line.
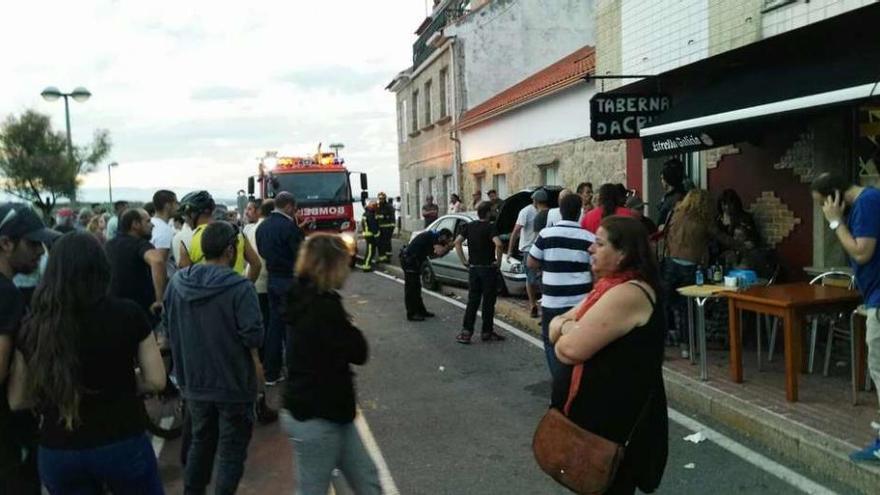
point(185, 236)
point(554, 216)
point(250, 231)
point(163, 236)
point(526, 219)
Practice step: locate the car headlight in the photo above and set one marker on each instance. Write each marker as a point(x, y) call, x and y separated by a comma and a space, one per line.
point(350, 243)
point(516, 267)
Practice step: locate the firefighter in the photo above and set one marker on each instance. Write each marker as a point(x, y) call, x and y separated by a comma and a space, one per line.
point(370, 228)
point(385, 217)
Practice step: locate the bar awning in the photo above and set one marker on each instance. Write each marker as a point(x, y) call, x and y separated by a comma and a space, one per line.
point(740, 94)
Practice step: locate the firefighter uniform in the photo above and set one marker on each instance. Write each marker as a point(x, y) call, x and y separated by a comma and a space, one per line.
point(385, 217)
point(370, 227)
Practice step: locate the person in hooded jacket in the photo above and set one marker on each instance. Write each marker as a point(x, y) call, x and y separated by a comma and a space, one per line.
point(319, 395)
point(216, 330)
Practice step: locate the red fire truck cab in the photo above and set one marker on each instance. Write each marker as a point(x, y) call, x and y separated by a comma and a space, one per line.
point(321, 185)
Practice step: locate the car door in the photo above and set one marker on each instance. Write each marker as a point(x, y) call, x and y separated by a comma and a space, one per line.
point(444, 266)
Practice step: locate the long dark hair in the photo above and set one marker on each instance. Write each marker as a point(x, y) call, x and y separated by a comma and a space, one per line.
point(609, 199)
point(629, 235)
point(77, 277)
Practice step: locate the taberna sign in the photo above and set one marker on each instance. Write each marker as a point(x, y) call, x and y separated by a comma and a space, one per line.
point(620, 116)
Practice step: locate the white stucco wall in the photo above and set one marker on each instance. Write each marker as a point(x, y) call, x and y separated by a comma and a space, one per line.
point(661, 35)
point(550, 120)
point(509, 40)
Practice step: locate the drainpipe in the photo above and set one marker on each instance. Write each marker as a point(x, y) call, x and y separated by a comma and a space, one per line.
point(453, 134)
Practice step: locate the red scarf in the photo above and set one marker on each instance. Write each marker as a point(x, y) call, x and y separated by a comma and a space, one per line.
point(604, 284)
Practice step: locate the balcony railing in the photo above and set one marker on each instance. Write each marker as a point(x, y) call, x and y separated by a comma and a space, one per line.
point(452, 11)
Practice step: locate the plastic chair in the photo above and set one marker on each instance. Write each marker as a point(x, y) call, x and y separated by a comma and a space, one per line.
point(769, 320)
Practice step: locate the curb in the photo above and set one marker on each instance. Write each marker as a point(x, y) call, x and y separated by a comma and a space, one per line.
point(820, 453)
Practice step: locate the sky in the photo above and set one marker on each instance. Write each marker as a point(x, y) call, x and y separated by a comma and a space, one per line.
point(193, 92)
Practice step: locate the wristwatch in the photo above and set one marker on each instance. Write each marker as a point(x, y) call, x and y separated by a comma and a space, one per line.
point(834, 224)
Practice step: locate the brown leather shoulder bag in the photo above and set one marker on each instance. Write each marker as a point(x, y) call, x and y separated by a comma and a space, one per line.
point(580, 460)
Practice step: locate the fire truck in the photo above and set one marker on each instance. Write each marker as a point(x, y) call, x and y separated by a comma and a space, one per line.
point(321, 185)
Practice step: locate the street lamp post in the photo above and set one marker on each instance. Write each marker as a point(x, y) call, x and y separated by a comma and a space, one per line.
point(79, 94)
point(110, 181)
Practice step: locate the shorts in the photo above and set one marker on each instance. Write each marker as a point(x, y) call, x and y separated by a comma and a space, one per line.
point(533, 277)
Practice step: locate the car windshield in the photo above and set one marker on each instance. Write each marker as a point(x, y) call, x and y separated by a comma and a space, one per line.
point(325, 188)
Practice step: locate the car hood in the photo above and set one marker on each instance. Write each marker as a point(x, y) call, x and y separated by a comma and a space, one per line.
point(511, 206)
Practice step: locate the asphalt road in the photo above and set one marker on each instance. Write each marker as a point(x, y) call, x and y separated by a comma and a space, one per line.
point(454, 419)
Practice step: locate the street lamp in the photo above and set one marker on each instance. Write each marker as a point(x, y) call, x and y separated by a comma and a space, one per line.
point(336, 147)
point(79, 94)
point(110, 181)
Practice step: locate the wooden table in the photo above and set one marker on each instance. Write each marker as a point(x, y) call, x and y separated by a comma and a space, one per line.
point(791, 302)
point(699, 294)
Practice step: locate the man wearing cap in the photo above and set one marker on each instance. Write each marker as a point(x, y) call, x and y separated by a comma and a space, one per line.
point(22, 235)
point(522, 237)
point(64, 220)
point(385, 218)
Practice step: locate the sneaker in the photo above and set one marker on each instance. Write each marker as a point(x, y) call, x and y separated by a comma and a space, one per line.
point(416, 318)
point(492, 337)
point(871, 453)
point(428, 314)
point(464, 337)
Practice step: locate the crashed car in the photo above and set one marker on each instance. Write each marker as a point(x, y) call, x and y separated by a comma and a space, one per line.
point(448, 269)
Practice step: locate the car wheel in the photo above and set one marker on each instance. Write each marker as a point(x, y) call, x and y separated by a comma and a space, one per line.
point(429, 280)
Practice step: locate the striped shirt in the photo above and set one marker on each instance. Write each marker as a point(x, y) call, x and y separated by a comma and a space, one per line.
point(565, 262)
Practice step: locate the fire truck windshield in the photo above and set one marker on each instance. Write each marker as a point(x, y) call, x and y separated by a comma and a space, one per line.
point(324, 188)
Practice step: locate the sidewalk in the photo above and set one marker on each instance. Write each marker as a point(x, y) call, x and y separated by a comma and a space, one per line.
point(819, 431)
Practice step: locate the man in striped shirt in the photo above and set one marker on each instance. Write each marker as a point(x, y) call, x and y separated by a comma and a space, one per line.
point(561, 253)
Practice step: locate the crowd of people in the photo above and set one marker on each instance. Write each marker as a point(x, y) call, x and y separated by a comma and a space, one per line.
point(252, 303)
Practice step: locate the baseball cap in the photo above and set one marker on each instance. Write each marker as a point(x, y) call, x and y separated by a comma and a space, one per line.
point(19, 221)
point(540, 196)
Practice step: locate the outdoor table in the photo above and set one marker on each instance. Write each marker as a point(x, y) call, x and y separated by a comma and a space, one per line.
point(791, 303)
point(699, 294)
point(858, 351)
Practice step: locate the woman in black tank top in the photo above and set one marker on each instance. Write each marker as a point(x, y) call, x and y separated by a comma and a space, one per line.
point(619, 341)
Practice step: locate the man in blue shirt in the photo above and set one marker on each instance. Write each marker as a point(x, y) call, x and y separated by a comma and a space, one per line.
point(858, 236)
point(278, 240)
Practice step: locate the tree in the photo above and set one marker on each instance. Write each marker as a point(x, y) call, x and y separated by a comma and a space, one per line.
point(34, 160)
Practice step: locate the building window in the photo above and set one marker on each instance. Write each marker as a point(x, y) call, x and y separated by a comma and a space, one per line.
point(479, 179)
point(550, 174)
point(770, 5)
point(408, 199)
point(428, 103)
point(403, 121)
point(444, 81)
point(499, 183)
point(415, 110)
point(420, 196)
point(447, 191)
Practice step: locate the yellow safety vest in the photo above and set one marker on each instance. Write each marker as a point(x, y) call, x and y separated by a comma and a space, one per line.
point(197, 256)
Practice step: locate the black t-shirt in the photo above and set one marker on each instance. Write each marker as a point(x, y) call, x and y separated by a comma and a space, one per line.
point(110, 409)
point(132, 278)
point(11, 312)
point(421, 247)
point(481, 248)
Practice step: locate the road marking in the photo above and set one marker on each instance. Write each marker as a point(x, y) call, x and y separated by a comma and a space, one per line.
point(388, 485)
point(785, 474)
point(758, 460)
point(159, 442)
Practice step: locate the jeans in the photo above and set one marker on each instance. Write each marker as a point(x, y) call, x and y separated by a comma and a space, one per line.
point(412, 293)
point(675, 275)
point(319, 446)
point(872, 338)
point(547, 314)
point(263, 298)
point(482, 285)
point(127, 466)
point(221, 429)
point(273, 346)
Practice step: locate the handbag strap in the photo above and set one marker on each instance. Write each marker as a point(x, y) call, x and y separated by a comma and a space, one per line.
point(576, 375)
